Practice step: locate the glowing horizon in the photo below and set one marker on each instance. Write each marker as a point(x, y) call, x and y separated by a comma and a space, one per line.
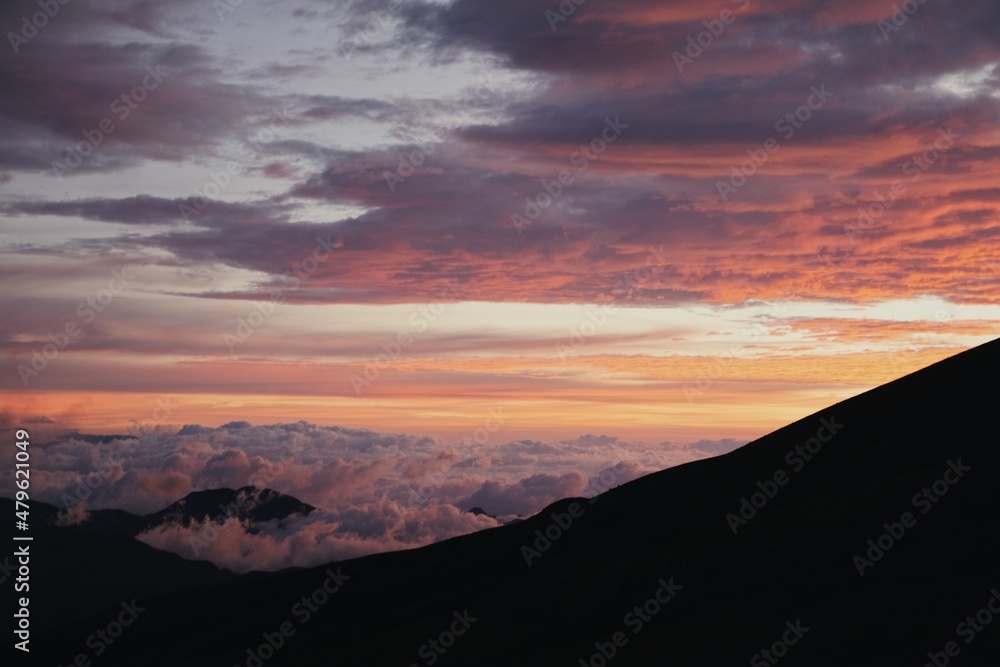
point(398, 216)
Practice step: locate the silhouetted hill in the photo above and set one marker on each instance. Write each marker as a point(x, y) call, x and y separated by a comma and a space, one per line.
point(114, 522)
point(916, 458)
point(81, 568)
point(75, 572)
point(246, 503)
point(479, 511)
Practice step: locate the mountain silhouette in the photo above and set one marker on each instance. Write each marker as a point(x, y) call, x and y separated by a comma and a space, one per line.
point(84, 567)
point(247, 504)
point(862, 535)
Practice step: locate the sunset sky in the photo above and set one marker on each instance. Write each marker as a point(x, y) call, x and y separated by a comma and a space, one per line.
point(660, 222)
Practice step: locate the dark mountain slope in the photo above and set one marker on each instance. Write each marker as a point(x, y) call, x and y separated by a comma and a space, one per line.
point(791, 565)
point(74, 572)
point(79, 569)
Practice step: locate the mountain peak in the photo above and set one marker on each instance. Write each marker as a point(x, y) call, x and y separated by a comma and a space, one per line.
point(247, 503)
point(479, 511)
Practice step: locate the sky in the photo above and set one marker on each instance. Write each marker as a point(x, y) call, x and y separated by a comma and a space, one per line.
point(641, 232)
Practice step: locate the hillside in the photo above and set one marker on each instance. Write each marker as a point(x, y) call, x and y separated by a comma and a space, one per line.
point(911, 465)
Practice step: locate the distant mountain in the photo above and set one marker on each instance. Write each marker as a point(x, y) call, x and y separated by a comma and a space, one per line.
point(247, 504)
point(76, 571)
point(97, 563)
point(479, 511)
point(89, 438)
point(860, 536)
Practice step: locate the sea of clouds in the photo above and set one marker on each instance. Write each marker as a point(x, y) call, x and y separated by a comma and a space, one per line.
point(374, 491)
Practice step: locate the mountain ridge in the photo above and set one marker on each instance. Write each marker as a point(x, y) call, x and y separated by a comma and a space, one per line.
point(600, 565)
point(110, 564)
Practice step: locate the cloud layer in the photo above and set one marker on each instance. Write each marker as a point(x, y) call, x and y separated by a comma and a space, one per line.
point(374, 491)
